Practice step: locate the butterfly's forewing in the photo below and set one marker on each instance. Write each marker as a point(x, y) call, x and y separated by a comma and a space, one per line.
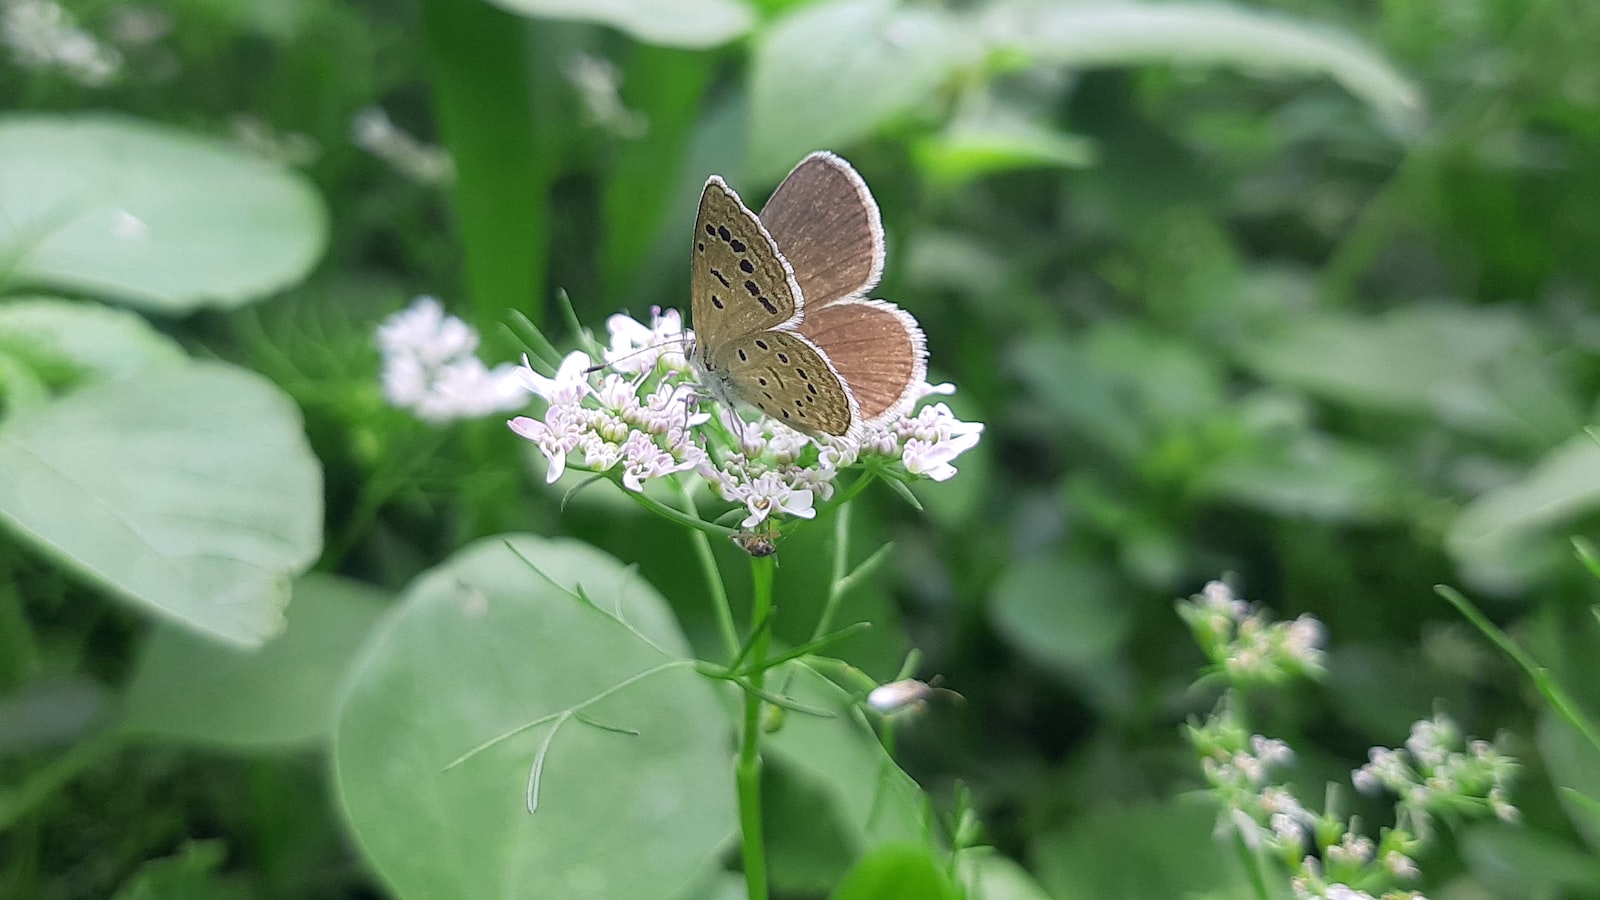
point(827, 225)
point(739, 283)
point(783, 375)
point(876, 347)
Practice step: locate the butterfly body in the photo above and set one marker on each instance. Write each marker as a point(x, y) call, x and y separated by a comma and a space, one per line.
point(780, 314)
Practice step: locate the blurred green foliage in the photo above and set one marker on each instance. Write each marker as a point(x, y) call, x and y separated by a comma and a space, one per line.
point(1303, 291)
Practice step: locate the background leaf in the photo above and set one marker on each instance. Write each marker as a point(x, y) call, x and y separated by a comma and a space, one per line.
point(189, 490)
point(277, 696)
point(1123, 34)
point(150, 215)
point(672, 23)
point(828, 74)
point(484, 644)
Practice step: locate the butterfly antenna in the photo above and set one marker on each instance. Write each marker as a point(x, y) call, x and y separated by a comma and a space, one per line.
point(653, 347)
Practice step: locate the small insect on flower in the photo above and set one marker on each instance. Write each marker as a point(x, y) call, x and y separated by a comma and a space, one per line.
point(754, 543)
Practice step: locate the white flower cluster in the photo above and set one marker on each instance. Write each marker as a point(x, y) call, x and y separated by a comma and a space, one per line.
point(644, 415)
point(429, 367)
point(1246, 644)
point(373, 131)
point(1439, 774)
point(42, 35)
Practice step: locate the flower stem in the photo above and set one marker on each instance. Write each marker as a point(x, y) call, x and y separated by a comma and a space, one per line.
point(749, 770)
point(708, 565)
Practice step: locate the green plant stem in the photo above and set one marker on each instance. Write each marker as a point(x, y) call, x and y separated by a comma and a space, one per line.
point(841, 561)
point(1252, 867)
point(1552, 691)
point(708, 565)
point(18, 652)
point(487, 100)
point(16, 803)
point(749, 771)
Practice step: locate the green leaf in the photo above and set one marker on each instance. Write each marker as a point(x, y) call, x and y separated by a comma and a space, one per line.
point(830, 74)
point(1138, 852)
point(1061, 612)
point(1478, 380)
point(1304, 473)
point(281, 695)
point(1496, 534)
point(1095, 35)
point(1525, 863)
point(872, 801)
point(189, 875)
point(83, 339)
point(897, 872)
point(1574, 767)
point(987, 875)
point(188, 490)
point(150, 215)
point(999, 142)
point(671, 23)
point(483, 645)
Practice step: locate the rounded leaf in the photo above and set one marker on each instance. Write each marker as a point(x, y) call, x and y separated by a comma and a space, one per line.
point(830, 74)
point(86, 338)
point(189, 490)
point(671, 23)
point(190, 689)
point(150, 215)
point(633, 756)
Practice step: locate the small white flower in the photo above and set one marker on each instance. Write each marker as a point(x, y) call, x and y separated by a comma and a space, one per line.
point(429, 367)
point(769, 494)
point(569, 384)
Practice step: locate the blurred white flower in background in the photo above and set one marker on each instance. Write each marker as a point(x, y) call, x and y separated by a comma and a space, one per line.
point(430, 367)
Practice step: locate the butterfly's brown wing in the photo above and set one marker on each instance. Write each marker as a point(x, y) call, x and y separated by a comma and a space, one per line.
point(827, 226)
point(739, 282)
point(786, 377)
point(876, 347)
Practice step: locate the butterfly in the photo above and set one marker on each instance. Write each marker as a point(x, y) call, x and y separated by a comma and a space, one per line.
point(781, 317)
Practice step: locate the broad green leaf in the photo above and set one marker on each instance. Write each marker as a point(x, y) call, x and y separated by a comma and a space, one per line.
point(189, 490)
point(1477, 379)
point(1496, 534)
point(1304, 473)
point(1090, 35)
point(1061, 612)
point(987, 875)
point(897, 872)
point(873, 802)
point(150, 215)
point(485, 644)
point(828, 75)
point(189, 875)
point(70, 338)
point(672, 23)
point(1522, 862)
point(190, 689)
point(1136, 853)
point(980, 146)
point(1574, 766)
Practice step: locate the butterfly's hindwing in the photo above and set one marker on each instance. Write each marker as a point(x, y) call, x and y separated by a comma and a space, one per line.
point(784, 376)
point(739, 281)
point(877, 349)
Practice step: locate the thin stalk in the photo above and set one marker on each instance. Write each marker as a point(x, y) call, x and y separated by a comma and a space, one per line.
point(749, 770)
point(42, 783)
point(708, 565)
point(841, 554)
point(487, 97)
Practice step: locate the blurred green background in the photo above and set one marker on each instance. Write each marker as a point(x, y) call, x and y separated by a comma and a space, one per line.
point(1300, 291)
